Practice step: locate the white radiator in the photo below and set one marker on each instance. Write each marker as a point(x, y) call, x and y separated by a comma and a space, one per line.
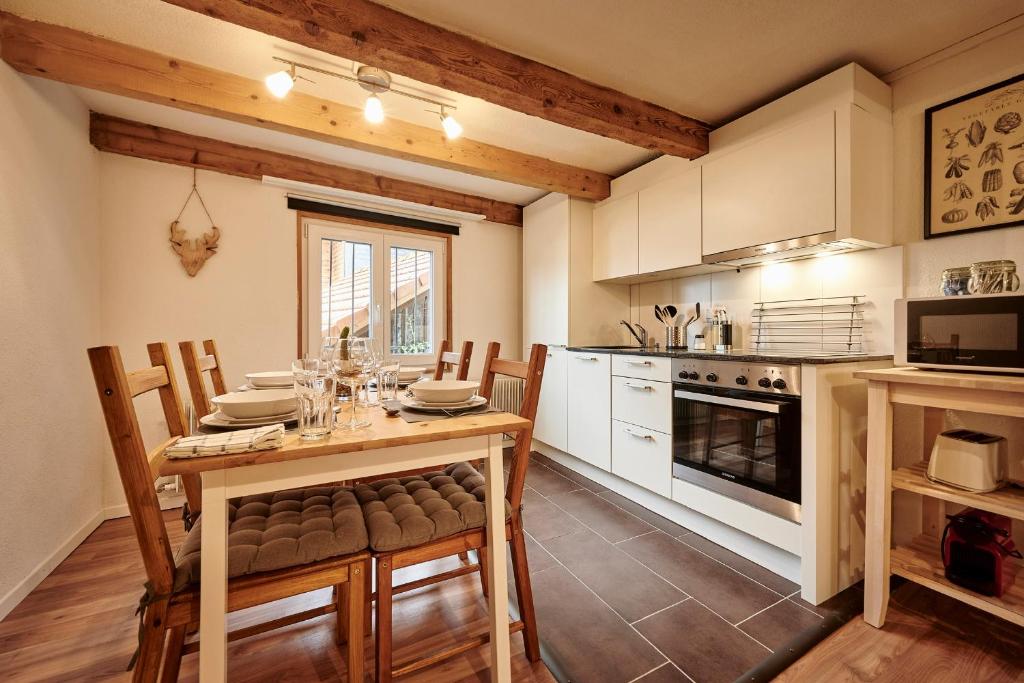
point(507, 394)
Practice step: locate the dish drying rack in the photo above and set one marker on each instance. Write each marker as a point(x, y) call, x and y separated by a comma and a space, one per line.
point(831, 324)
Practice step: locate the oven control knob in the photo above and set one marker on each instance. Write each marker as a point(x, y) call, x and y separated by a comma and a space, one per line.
point(683, 375)
point(779, 384)
point(694, 376)
point(711, 377)
point(764, 383)
point(741, 380)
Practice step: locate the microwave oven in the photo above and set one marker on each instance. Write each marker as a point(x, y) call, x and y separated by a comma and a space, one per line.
point(980, 333)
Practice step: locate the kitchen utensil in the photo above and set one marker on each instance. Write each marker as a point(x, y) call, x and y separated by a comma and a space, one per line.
point(250, 404)
point(969, 460)
point(444, 390)
point(672, 312)
point(658, 314)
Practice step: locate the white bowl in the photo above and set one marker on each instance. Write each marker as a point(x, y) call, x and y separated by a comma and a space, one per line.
point(278, 378)
point(444, 390)
point(249, 404)
point(406, 374)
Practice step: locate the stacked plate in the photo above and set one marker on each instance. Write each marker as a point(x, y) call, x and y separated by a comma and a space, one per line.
point(277, 379)
point(443, 396)
point(252, 408)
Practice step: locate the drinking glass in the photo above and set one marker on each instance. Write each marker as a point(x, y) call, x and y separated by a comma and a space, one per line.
point(387, 383)
point(350, 366)
point(328, 347)
point(314, 392)
point(375, 359)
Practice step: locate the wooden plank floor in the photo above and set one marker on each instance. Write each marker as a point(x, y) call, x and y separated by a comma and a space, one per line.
point(926, 637)
point(79, 625)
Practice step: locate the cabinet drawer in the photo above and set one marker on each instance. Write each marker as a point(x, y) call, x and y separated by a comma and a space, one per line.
point(642, 456)
point(643, 367)
point(642, 402)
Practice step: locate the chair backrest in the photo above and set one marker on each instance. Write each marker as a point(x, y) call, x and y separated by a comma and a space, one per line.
point(532, 372)
point(195, 365)
point(117, 389)
point(447, 358)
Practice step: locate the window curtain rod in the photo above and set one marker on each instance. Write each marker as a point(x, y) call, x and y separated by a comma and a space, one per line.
point(341, 211)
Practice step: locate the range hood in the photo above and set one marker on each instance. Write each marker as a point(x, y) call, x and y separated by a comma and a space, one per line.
point(788, 250)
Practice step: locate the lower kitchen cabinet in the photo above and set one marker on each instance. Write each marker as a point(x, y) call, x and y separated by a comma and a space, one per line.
point(590, 408)
point(642, 402)
point(550, 425)
point(642, 456)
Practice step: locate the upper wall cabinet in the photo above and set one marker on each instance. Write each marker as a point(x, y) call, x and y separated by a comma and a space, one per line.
point(776, 188)
point(615, 238)
point(670, 223)
point(561, 303)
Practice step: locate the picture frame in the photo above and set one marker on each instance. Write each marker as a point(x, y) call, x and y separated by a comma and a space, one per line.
point(974, 161)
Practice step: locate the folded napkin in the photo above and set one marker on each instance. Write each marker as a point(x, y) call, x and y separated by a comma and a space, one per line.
point(256, 439)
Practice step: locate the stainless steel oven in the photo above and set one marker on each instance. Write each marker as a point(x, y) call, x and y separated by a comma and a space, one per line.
point(981, 332)
point(736, 431)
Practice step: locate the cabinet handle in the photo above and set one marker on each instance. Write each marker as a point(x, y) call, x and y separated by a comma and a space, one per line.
point(645, 437)
point(645, 363)
point(639, 387)
point(586, 357)
point(550, 355)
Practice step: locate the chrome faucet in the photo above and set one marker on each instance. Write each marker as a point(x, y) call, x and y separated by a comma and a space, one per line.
point(639, 333)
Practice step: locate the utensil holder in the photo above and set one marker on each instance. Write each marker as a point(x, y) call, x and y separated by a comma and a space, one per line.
point(674, 338)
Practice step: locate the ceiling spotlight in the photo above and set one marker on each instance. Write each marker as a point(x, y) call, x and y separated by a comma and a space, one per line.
point(373, 110)
point(452, 128)
point(280, 84)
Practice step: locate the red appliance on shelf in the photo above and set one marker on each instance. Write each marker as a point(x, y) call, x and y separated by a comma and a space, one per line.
point(975, 548)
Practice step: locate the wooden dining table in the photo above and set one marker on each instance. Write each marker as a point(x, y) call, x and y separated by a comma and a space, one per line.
point(388, 444)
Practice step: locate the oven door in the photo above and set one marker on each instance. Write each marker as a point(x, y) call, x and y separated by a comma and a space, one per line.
point(743, 444)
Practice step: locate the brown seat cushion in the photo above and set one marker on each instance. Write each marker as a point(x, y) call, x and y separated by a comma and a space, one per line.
point(409, 511)
point(283, 529)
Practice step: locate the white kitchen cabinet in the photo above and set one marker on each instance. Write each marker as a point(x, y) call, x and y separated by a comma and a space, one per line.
point(657, 368)
point(590, 408)
point(616, 246)
point(669, 223)
point(778, 187)
point(642, 402)
point(642, 456)
point(562, 305)
point(551, 423)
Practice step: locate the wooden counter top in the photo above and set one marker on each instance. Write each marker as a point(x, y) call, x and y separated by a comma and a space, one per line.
point(942, 378)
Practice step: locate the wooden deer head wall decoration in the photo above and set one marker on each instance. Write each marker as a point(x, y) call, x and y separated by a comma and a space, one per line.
point(194, 252)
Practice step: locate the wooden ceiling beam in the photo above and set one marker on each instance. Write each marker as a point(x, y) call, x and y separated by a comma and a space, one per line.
point(81, 59)
point(130, 138)
point(380, 36)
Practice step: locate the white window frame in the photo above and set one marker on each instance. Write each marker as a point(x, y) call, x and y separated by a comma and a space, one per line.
point(381, 241)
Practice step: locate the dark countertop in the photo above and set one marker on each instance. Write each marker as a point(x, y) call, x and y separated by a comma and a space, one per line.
point(740, 355)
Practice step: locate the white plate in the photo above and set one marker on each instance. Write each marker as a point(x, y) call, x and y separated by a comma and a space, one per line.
point(249, 404)
point(250, 387)
point(270, 380)
point(444, 390)
point(409, 374)
point(218, 419)
point(416, 404)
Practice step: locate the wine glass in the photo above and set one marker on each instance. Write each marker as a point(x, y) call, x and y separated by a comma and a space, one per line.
point(350, 364)
point(375, 359)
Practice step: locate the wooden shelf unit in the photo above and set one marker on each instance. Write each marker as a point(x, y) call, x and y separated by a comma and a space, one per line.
point(920, 560)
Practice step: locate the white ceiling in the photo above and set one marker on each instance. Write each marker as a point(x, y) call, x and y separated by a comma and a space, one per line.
point(710, 59)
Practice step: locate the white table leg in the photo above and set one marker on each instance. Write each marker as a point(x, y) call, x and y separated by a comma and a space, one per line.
point(501, 666)
point(213, 587)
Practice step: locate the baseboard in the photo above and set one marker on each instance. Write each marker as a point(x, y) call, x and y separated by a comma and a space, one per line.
point(43, 569)
point(754, 549)
point(167, 502)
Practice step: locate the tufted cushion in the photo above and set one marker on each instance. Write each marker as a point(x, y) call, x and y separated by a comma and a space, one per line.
point(284, 529)
point(410, 511)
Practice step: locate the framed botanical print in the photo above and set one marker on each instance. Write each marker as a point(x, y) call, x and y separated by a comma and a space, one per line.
point(974, 161)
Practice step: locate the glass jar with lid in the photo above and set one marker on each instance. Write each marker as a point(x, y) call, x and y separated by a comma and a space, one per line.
point(955, 281)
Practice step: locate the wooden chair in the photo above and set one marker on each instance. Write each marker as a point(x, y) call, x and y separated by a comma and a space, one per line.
point(446, 359)
point(473, 539)
point(195, 365)
point(169, 609)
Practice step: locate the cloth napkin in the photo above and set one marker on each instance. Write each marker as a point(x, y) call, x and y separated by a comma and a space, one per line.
point(256, 439)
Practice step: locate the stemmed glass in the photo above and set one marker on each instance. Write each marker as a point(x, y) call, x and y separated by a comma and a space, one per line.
point(350, 363)
point(375, 359)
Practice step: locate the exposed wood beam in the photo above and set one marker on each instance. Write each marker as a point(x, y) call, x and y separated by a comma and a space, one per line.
point(373, 34)
point(111, 134)
point(77, 58)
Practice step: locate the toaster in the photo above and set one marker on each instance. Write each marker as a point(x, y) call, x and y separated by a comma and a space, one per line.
point(969, 460)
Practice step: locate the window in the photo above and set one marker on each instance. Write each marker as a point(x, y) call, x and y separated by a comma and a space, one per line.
point(379, 283)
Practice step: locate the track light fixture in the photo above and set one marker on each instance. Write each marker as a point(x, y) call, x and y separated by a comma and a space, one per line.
point(375, 81)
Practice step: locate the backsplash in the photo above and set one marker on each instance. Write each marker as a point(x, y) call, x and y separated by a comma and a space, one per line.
point(877, 274)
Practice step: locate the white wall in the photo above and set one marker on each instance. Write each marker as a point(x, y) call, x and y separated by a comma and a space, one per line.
point(50, 453)
point(245, 295)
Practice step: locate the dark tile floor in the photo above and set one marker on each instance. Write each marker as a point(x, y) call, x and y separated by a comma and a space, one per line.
point(623, 594)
